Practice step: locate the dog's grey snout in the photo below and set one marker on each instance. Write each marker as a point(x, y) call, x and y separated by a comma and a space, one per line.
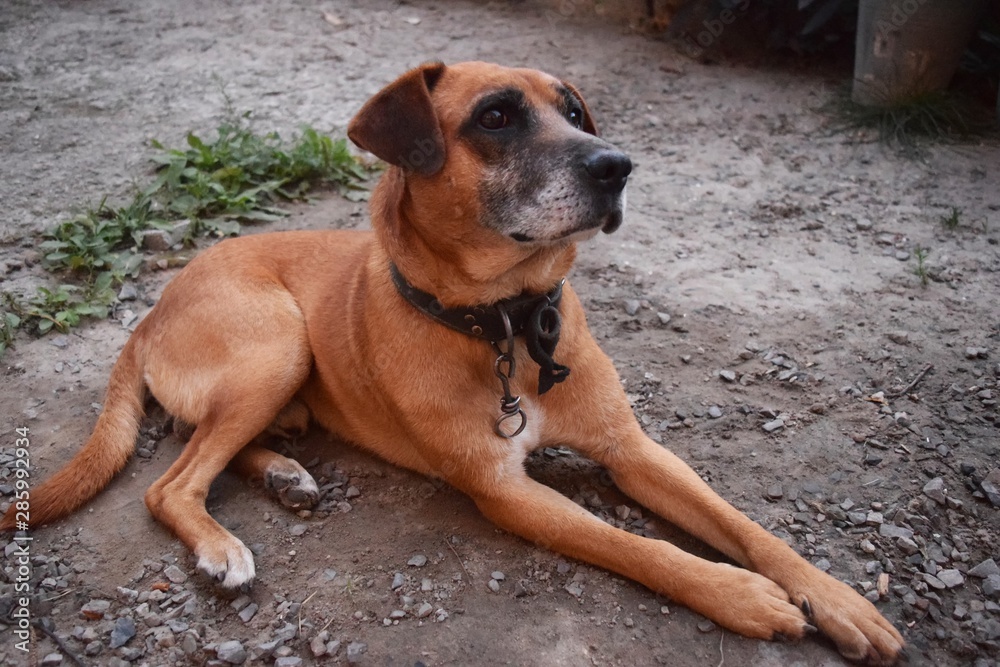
point(609, 169)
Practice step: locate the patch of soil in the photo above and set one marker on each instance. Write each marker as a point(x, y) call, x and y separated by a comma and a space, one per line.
point(756, 243)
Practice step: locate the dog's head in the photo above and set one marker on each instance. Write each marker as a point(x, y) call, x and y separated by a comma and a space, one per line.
point(514, 150)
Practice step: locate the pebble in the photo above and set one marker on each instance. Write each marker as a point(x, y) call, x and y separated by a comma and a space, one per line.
point(248, 612)
point(991, 586)
point(984, 569)
point(893, 531)
point(355, 650)
point(298, 529)
point(174, 574)
point(95, 609)
point(128, 292)
point(288, 661)
point(706, 625)
point(417, 561)
point(123, 631)
point(318, 644)
point(232, 652)
point(425, 609)
point(156, 239)
point(397, 581)
point(775, 492)
point(632, 306)
point(714, 412)
point(727, 375)
point(52, 659)
point(976, 353)
point(664, 318)
point(774, 425)
point(498, 575)
point(863, 224)
point(934, 490)
point(952, 578)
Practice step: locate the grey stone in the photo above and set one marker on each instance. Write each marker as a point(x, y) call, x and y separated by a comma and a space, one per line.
point(493, 585)
point(991, 586)
point(397, 581)
point(498, 575)
point(174, 574)
point(425, 609)
point(894, 531)
point(128, 292)
point(992, 492)
point(632, 306)
point(156, 239)
point(248, 612)
point(952, 578)
point(664, 318)
point(774, 425)
point(934, 490)
point(728, 376)
point(355, 650)
point(775, 492)
point(985, 569)
point(288, 661)
point(123, 631)
point(714, 412)
point(232, 652)
point(51, 660)
point(298, 529)
point(417, 561)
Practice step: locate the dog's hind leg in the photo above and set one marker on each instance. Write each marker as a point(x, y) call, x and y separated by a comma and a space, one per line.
point(282, 476)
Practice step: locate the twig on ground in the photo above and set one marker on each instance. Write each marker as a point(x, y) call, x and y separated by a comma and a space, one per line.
point(908, 388)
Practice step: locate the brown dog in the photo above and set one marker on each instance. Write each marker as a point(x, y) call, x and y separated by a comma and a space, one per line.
point(383, 339)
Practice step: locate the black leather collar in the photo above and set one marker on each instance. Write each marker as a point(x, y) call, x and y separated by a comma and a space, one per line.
point(534, 316)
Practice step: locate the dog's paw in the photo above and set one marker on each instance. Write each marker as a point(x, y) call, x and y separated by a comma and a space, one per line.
point(860, 632)
point(752, 605)
point(294, 486)
point(229, 562)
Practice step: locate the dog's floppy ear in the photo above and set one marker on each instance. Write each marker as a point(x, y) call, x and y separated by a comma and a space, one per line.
point(588, 125)
point(399, 124)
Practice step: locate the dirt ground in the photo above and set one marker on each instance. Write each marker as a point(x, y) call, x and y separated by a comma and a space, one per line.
point(781, 253)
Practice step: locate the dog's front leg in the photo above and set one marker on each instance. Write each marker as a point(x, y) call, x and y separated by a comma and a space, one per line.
point(732, 597)
point(661, 481)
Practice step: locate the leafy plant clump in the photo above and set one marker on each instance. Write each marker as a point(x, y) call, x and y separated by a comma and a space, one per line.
point(209, 187)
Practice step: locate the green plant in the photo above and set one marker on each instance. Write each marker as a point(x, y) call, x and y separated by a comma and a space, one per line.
point(935, 116)
point(952, 220)
point(921, 270)
point(212, 184)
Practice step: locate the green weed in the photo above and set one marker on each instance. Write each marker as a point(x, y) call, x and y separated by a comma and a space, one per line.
point(952, 220)
point(921, 269)
point(239, 176)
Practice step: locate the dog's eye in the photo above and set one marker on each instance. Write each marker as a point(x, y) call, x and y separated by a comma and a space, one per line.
point(493, 119)
point(576, 118)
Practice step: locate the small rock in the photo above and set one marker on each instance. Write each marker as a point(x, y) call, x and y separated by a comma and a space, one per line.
point(706, 625)
point(893, 531)
point(298, 529)
point(899, 337)
point(985, 569)
point(934, 490)
point(128, 292)
point(493, 585)
point(51, 660)
point(976, 353)
point(992, 492)
point(775, 492)
point(417, 561)
point(355, 650)
point(318, 644)
point(863, 224)
point(397, 581)
point(288, 661)
point(425, 609)
point(727, 375)
point(123, 631)
point(774, 425)
point(632, 306)
point(352, 492)
point(991, 586)
point(714, 412)
point(664, 318)
point(156, 239)
point(248, 612)
point(498, 575)
point(95, 609)
point(951, 578)
point(174, 574)
point(232, 652)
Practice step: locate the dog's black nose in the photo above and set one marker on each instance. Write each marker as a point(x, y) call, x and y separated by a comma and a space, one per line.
point(610, 169)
